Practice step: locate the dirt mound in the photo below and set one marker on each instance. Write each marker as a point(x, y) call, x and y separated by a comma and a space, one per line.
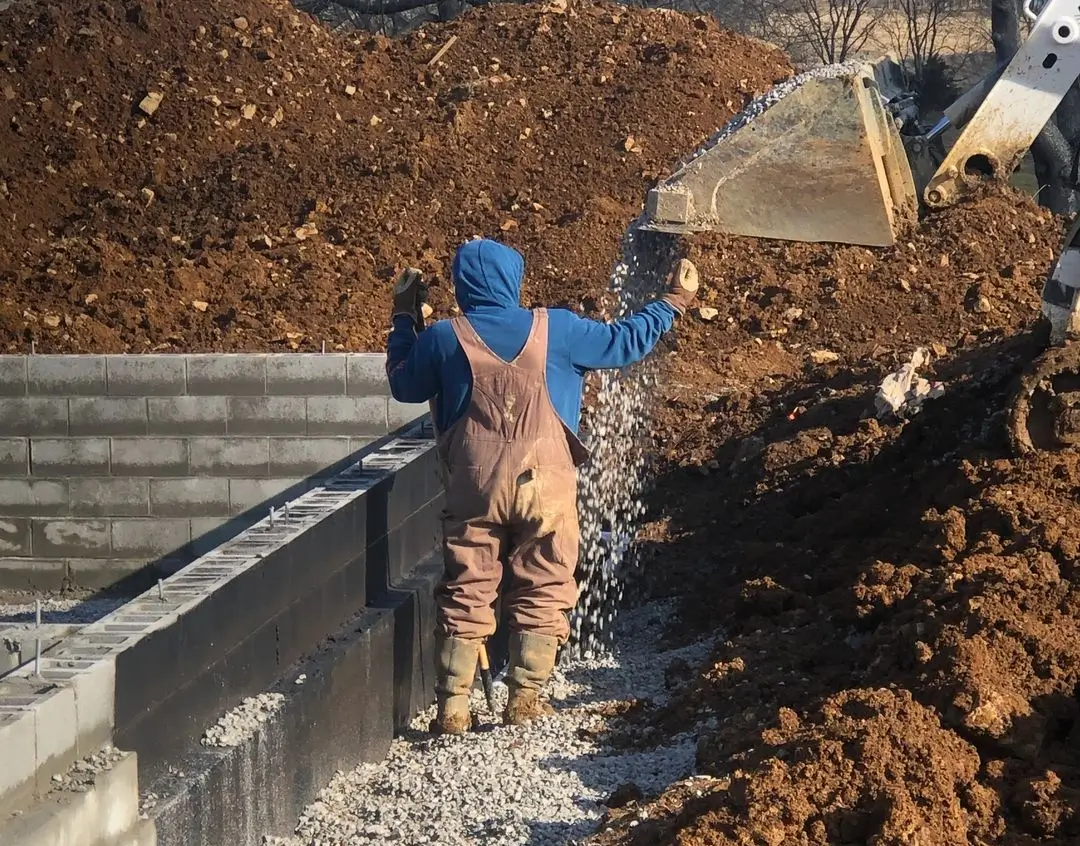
point(266, 199)
point(900, 651)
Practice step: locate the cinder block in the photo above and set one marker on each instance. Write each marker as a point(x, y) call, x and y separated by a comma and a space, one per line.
point(267, 416)
point(230, 456)
point(367, 375)
point(117, 496)
point(14, 536)
point(346, 415)
point(208, 533)
point(400, 413)
point(72, 538)
point(305, 374)
point(33, 497)
point(95, 691)
point(96, 573)
point(149, 457)
point(187, 415)
point(193, 497)
point(13, 375)
point(226, 375)
point(34, 574)
point(151, 537)
point(19, 741)
point(305, 456)
point(14, 456)
point(66, 375)
point(146, 375)
point(107, 416)
point(69, 456)
point(245, 494)
point(38, 416)
point(55, 732)
point(105, 811)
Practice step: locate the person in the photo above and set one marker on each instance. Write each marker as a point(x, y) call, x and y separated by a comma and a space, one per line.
point(504, 384)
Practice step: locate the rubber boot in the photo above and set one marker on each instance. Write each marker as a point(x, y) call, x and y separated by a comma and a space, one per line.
point(532, 660)
point(455, 671)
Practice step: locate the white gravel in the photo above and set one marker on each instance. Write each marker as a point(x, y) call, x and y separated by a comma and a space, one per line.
point(762, 104)
point(19, 608)
point(239, 724)
point(510, 786)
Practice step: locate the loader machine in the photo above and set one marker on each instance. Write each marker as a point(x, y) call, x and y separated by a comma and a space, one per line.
point(828, 157)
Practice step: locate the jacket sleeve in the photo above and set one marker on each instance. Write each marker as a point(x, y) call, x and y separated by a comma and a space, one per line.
point(595, 345)
point(411, 362)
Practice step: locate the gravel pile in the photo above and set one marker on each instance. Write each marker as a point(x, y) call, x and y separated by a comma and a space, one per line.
point(545, 783)
point(239, 724)
point(80, 777)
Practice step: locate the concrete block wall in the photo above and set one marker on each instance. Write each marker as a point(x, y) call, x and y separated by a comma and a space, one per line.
point(338, 588)
point(112, 465)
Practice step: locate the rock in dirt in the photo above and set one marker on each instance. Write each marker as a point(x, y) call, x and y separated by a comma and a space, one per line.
point(150, 103)
point(824, 357)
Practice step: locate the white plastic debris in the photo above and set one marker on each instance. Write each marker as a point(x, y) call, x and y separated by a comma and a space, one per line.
point(903, 392)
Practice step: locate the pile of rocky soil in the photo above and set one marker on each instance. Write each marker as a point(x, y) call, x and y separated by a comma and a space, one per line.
point(199, 177)
point(898, 594)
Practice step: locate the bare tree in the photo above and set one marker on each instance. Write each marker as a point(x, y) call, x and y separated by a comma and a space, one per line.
point(918, 33)
point(834, 30)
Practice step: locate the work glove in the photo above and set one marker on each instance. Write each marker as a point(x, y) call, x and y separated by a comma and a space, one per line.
point(682, 286)
point(410, 292)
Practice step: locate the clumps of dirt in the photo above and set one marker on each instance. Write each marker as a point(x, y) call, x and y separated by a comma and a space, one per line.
point(818, 313)
point(199, 178)
point(901, 661)
point(908, 783)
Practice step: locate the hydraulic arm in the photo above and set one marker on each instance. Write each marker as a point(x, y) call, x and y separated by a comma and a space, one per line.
point(1016, 107)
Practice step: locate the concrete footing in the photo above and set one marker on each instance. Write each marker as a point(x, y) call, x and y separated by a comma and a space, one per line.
point(101, 809)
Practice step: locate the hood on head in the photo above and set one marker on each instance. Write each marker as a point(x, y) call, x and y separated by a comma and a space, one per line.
point(487, 273)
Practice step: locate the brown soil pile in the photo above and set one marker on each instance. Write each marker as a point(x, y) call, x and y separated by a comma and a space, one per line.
point(286, 172)
point(898, 598)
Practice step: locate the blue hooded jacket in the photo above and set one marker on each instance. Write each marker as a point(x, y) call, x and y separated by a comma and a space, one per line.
point(487, 277)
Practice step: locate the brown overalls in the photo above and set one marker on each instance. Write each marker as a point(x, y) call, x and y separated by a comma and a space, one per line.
point(509, 468)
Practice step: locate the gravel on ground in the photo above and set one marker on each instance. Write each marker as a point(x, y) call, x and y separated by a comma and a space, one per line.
point(76, 610)
point(545, 783)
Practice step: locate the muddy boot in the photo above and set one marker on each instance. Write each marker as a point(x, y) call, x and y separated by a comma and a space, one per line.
point(455, 670)
point(532, 658)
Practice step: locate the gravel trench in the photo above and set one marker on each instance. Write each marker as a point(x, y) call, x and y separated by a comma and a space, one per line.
point(21, 608)
point(545, 783)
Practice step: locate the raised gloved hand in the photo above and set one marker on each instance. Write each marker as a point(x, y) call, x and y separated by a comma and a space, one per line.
point(410, 292)
point(683, 286)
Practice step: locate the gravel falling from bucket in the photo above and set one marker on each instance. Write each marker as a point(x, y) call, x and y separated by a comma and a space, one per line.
point(612, 486)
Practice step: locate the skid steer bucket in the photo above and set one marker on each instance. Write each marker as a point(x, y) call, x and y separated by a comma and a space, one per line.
point(817, 159)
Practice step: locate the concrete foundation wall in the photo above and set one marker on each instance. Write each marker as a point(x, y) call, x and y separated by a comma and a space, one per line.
point(114, 465)
point(336, 591)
